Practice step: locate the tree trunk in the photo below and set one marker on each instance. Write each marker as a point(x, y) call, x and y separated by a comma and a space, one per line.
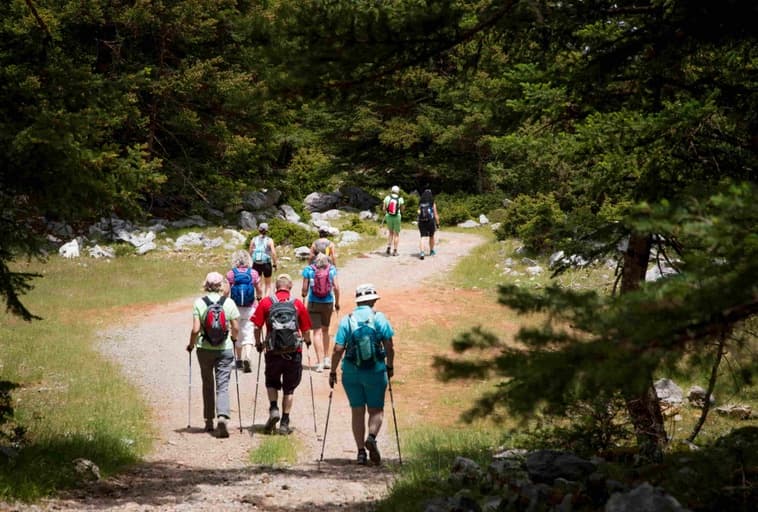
point(644, 408)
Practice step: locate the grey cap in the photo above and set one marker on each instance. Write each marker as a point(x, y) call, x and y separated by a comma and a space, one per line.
point(263, 226)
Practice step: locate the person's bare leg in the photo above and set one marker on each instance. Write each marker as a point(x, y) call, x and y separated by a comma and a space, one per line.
point(375, 419)
point(359, 426)
point(318, 344)
point(287, 401)
point(431, 243)
point(325, 340)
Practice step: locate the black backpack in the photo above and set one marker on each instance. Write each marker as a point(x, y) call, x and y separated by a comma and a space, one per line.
point(283, 335)
point(425, 212)
point(213, 323)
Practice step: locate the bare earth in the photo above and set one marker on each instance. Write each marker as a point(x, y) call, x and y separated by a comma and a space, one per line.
point(189, 469)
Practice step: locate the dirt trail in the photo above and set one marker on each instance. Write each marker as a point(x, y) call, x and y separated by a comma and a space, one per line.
point(191, 470)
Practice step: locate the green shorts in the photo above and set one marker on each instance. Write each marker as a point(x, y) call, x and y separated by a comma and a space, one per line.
point(365, 388)
point(393, 222)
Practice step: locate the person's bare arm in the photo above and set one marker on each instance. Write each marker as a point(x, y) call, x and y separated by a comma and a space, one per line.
point(304, 288)
point(336, 290)
point(389, 349)
point(235, 328)
point(274, 259)
point(193, 334)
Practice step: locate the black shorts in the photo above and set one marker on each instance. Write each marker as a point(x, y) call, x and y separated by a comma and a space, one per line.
point(284, 371)
point(264, 269)
point(427, 228)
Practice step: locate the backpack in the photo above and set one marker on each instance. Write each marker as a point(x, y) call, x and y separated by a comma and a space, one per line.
point(322, 285)
point(322, 246)
point(363, 346)
point(393, 206)
point(283, 334)
point(213, 323)
point(260, 250)
point(243, 291)
point(425, 212)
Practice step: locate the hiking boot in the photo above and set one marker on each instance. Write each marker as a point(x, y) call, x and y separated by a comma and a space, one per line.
point(421, 255)
point(362, 459)
point(208, 426)
point(373, 450)
point(388, 251)
point(284, 428)
point(238, 364)
point(327, 363)
point(246, 366)
point(273, 418)
point(432, 252)
point(222, 431)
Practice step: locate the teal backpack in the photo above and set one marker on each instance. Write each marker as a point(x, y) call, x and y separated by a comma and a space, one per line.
point(364, 348)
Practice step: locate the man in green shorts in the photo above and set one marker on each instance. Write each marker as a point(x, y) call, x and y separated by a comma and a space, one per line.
point(393, 207)
point(365, 373)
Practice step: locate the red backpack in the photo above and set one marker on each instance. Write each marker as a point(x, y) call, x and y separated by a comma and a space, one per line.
point(213, 322)
point(322, 285)
point(393, 205)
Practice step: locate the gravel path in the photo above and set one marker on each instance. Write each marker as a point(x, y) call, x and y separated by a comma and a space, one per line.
point(191, 470)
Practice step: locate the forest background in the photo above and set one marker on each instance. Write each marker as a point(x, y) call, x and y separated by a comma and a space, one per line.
point(614, 128)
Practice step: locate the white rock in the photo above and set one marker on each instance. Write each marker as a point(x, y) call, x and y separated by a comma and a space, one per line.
point(70, 250)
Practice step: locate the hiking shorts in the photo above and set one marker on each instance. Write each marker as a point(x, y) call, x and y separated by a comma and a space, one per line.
point(264, 269)
point(320, 313)
point(365, 388)
point(427, 228)
point(284, 371)
point(393, 222)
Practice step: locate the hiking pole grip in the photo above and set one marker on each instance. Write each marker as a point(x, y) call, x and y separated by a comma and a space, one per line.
point(326, 427)
point(394, 418)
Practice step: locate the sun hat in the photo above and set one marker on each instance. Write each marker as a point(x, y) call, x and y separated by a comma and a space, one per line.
point(395, 189)
point(263, 226)
point(366, 292)
point(213, 278)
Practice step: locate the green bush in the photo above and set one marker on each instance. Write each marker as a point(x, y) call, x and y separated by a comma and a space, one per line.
point(360, 226)
point(534, 220)
point(455, 208)
point(286, 233)
point(498, 215)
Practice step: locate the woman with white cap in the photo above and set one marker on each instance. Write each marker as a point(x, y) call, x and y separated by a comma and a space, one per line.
point(263, 253)
point(365, 346)
point(215, 356)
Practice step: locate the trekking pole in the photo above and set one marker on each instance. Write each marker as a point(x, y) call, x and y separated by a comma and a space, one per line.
point(237, 380)
point(189, 392)
point(394, 417)
point(255, 399)
point(313, 400)
point(326, 427)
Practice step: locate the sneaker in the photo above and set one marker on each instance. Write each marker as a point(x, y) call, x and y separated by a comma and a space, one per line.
point(319, 368)
point(284, 428)
point(421, 255)
point(388, 251)
point(209, 426)
point(246, 366)
point(273, 418)
point(373, 450)
point(394, 253)
point(432, 252)
point(327, 363)
point(222, 431)
point(362, 459)
point(238, 364)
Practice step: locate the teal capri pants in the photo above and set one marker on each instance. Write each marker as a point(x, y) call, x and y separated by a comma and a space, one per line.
point(365, 388)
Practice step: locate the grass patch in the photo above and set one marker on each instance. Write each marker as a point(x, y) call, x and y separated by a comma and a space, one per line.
point(276, 451)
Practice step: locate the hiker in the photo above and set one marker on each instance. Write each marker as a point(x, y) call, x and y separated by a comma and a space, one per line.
point(323, 245)
point(321, 288)
point(428, 222)
point(263, 253)
point(364, 344)
point(215, 355)
point(245, 289)
point(287, 325)
point(393, 207)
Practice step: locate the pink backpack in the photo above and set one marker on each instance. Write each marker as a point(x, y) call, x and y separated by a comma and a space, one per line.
point(322, 285)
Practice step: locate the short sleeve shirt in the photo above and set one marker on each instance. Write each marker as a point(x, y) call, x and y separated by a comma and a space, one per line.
point(231, 312)
point(309, 273)
point(382, 326)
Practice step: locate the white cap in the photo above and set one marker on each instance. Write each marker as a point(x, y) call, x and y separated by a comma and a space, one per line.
point(365, 292)
point(213, 278)
point(395, 189)
point(263, 226)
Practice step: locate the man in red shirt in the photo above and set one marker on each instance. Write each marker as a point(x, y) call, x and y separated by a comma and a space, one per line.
point(287, 326)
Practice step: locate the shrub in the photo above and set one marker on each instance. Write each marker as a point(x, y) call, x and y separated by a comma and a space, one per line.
point(360, 226)
point(459, 207)
point(286, 233)
point(535, 220)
